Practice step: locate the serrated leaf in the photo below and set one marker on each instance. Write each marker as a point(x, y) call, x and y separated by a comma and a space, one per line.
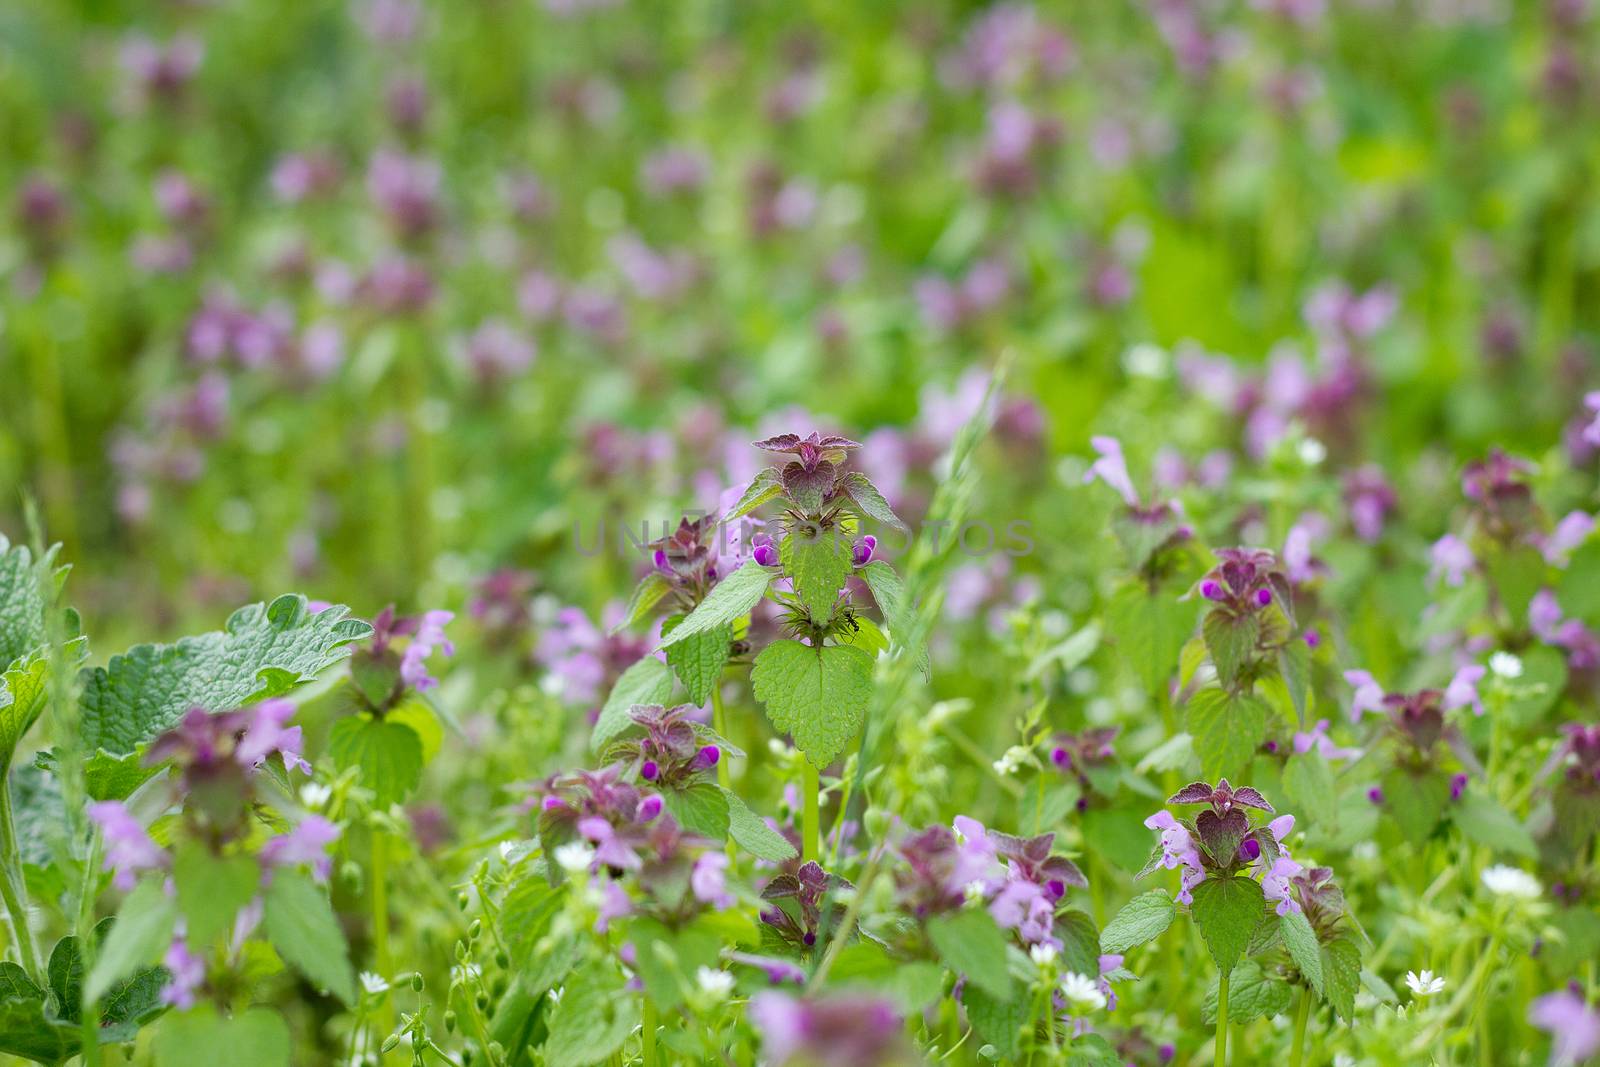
point(388, 754)
point(1252, 994)
point(818, 562)
point(1341, 975)
point(22, 604)
point(753, 834)
point(27, 1026)
point(1416, 800)
point(817, 695)
point(1141, 920)
point(1309, 782)
point(971, 943)
point(263, 651)
point(1150, 629)
point(593, 1017)
point(1231, 640)
point(646, 595)
point(301, 925)
point(23, 690)
point(698, 661)
point(1080, 942)
point(138, 939)
point(1294, 667)
point(702, 808)
point(999, 1021)
point(766, 485)
point(1481, 819)
point(1301, 941)
point(200, 1038)
point(1227, 728)
point(648, 681)
point(729, 600)
point(866, 497)
point(126, 1006)
point(1227, 910)
point(211, 890)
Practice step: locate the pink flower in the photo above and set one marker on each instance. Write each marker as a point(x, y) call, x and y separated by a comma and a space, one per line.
point(1451, 557)
point(706, 880)
point(1570, 532)
point(306, 843)
point(1463, 689)
point(1573, 1025)
point(1112, 469)
point(614, 904)
point(266, 734)
point(1317, 738)
point(129, 849)
point(429, 636)
point(188, 974)
point(1369, 694)
point(1276, 884)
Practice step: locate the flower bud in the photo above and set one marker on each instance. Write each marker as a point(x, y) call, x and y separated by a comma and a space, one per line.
point(1263, 596)
point(649, 770)
point(861, 551)
point(765, 555)
point(1211, 590)
point(649, 808)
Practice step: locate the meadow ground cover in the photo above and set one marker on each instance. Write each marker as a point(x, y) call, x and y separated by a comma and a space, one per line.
point(545, 533)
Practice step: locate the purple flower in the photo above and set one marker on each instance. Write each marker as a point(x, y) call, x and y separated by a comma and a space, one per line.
point(429, 636)
point(1463, 689)
point(1276, 885)
point(1317, 738)
point(614, 904)
point(1572, 531)
point(1112, 469)
point(765, 555)
point(1458, 785)
point(129, 849)
point(707, 883)
point(266, 734)
point(778, 971)
point(1375, 795)
point(188, 974)
point(609, 849)
point(1573, 1025)
point(1452, 558)
point(861, 551)
point(1178, 849)
point(1544, 616)
point(1369, 694)
point(1591, 432)
point(841, 1031)
point(649, 807)
point(306, 843)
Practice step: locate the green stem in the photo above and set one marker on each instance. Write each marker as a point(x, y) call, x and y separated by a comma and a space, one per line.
point(89, 1028)
point(1301, 1015)
point(719, 723)
point(12, 886)
point(1221, 1058)
point(380, 902)
point(648, 1032)
point(810, 788)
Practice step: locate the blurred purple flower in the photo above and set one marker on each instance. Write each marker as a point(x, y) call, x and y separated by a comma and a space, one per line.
point(129, 850)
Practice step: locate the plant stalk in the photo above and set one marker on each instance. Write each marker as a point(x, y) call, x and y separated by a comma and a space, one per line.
point(12, 886)
point(1301, 1015)
point(1221, 1057)
point(810, 819)
point(647, 1031)
point(719, 723)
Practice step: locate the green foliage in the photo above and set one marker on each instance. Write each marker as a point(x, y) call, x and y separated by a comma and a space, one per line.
point(730, 599)
point(254, 1038)
point(817, 695)
point(301, 925)
point(1141, 920)
point(1231, 640)
point(752, 833)
point(1227, 910)
point(1252, 994)
point(818, 562)
point(138, 938)
point(649, 681)
point(1227, 729)
point(592, 1019)
point(388, 754)
point(211, 890)
point(971, 944)
point(701, 808)
point(1301, 941)
point(646, 595)
point(1150, 628)
point(869, 500)
point(698, 661)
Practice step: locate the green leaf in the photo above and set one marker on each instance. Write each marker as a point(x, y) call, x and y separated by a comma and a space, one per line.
point(264, 651)
point(593, 1018)
point(139, 938)
point(1092, 1050)
point(753, 834)
point(202, 1038)
point(126, 1005)
point(1150, 628)
point(23, 692)
point(646, 595)
point(1227, 729)
point(1517, 574)
point(28, 1027)
point(1251, 995)
point(818, 695)
point(1481, 819)
point(1301, 941)
point(859, 488)
point(649, 681)
point(1416, 799)
point(23, 626)
point(999, 1021)
point(1294, 667)
point(388, 755)
point(667, 959)
point(914, 984)
point(818, 562)
point(1141, 920)
point(971, 943)
point(301, 925)
point(698, 661)
point(1309, 782)
point(1231, 640)
point(1118, 834)
point(767, 485)
point(702, 809)
point(887, 588)
point(1341, 975)
point(211, 890)
point(1227, 910)
point(729, 600)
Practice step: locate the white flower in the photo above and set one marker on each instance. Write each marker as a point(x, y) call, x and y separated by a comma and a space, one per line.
point(1505, 665)
point(1044, 955)
point(314, 795)
point(974, 891)
point(715, 984)
point(1312, 451)
point(1014, 757)
point(1425, 984)
point(1145, 361)
point(1512, 882)
point(1343, 1059)
point(1082, 992)
point(574, 856)
point(373, 983)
